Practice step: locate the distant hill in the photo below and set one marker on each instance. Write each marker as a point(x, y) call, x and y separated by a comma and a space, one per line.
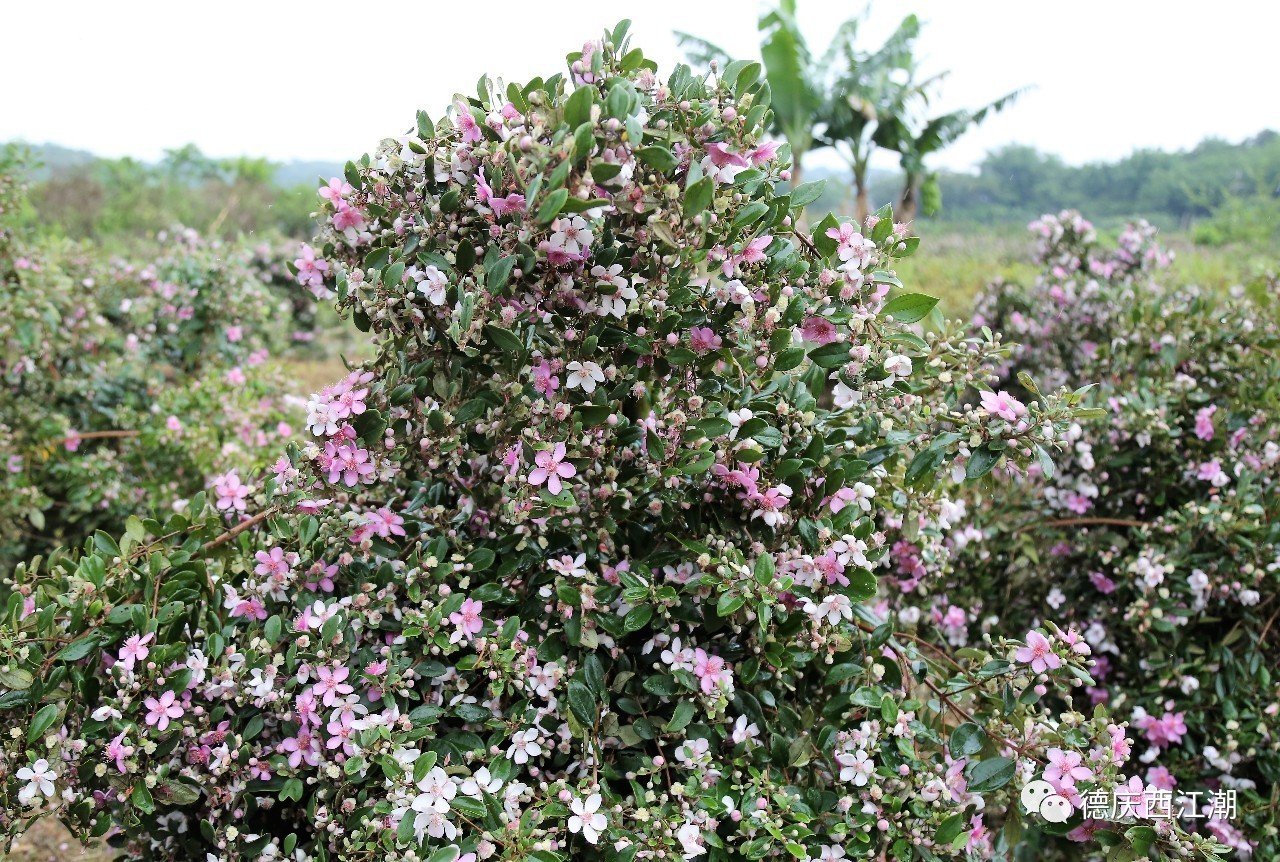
point(56, 160)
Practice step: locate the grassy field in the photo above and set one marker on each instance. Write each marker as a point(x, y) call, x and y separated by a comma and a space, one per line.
point(954, 266)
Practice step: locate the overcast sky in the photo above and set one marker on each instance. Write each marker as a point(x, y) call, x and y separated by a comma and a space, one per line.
point(327, 80)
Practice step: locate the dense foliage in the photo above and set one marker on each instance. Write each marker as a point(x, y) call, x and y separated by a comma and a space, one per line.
point(584, 563)
point(125, 386)
point(1160, 527)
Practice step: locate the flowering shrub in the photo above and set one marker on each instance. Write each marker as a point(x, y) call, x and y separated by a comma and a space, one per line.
point(1156, 535)
point(126, 387)
point(580, 566)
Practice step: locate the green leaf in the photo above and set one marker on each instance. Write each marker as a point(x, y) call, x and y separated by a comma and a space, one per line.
point(728, 603)
point(16, 679)
point(862, 586)
point(803, 195)
point(582, 703)
point(499, 272)
point(992, 774)
point(681, 718)
point(41, 722)
point(909, 307)
point(981, 462)
point(764, 569)
point(78, 649)
point(551, 206)
point(950, 828)
point(831, 355)
point(768, 436)
point(658, 158)
point(142, 798)
point(105, 544)
point(577, 108)
point(697, 197)
point(967, 740)
point(426, 129)
point(506, 340)
point(637, 618)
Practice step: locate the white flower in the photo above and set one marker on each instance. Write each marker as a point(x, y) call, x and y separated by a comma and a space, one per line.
point(587, 818)
point(898, 365)
point(611, 276)
point(736, 419)
point(856, 767)
point(570, 567)
point(39, 778)
point(690, 837)
point(831, 608)
point(260, 685)
point(584, 374)
point(104, 713)
point(843, 396)
point(573, 235)
point(742, 730)
point(321, 420)
point(524, 745)
point(433, 285)
point(437, 789)
point(480, 782)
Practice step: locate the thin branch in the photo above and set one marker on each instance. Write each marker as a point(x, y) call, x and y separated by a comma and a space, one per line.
point(239, 528)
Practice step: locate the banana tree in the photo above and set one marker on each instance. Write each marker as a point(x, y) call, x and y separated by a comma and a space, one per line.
point(872, 90)
point(797, 83)
point(920, 185)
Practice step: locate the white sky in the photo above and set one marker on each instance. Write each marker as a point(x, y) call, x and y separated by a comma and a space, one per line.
point(327, 80)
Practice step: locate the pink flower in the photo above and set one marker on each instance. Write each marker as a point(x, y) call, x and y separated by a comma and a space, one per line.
point(302, 747)
point(386, 523)
point(321, 577)
point(703, 339)
point(1065, 768)
point(1162, 732)
point(117, 751)
point(551, 468)
point(819, 330)
point(1209, 471)
point(1204, 422)
point(349, 464)
point(712, 670)
point(135, 650)
point(466, 123)
point(721, 156)
point(754, 252)
point(161, 710)
point(544, 379)
point(230, 492)
point(330, 687)
point(1039, 652)
point(348, 217)
point(311, 269)
point(337, 189)
point(1004, 405)
point(467, 619)
point(272, 563)
point(764, 152)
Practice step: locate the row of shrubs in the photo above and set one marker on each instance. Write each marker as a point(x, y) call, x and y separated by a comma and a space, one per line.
point(660, 527)
point(127, 385)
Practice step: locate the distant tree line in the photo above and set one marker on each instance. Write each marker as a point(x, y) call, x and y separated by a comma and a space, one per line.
point(80, 196)
point(1214, 181)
